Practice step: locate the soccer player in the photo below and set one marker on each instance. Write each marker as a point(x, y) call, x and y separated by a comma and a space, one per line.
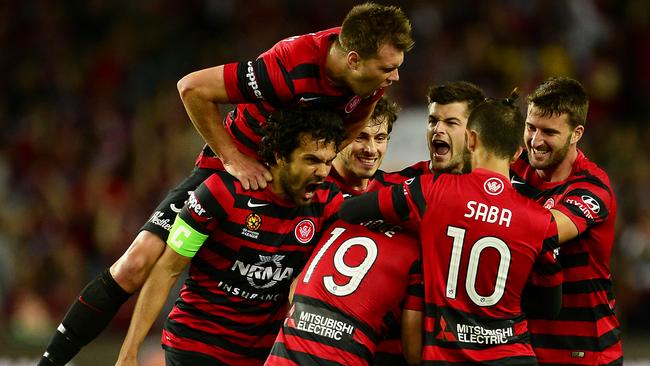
point(245, 248)
point(344, 69)
point(470, 224)
point(555, 173)
point(350, 292)
point(356, 165)
point(394, 271)
point(449, 105)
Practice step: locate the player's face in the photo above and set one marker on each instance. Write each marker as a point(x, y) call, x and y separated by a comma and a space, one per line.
point(547, 139)
point(363, 156)
point(306, 169)
point(377, 72)
point(446, 135)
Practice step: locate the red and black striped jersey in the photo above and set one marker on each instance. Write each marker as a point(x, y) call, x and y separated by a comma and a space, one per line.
point(233, 302)
point(382, 178)
point(481, 243)
point(587, 331)
point(352, 288)
point(290, 74)
point(389, 351)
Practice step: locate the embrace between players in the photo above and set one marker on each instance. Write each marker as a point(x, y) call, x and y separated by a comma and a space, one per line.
point(507, 264)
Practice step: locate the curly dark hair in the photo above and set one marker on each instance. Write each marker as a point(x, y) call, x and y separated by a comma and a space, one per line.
point(284, 127)
point(500, 125)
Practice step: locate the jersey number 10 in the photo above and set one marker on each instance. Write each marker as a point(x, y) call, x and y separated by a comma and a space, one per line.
point(458, 234)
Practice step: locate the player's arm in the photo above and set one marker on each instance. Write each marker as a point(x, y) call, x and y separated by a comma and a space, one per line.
point(150, 302)
point(201, 92)
point(566, 229)
point(412, 324)
point(182, 244)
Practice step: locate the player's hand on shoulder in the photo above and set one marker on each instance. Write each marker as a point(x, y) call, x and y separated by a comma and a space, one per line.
point(251, 173)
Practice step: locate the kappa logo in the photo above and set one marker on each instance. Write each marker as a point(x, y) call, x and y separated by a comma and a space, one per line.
point(252, 81)
point(549, 204)
point(352, 104)
point(591, 202)
point(177, 209)
point(305, 231)
point(493, 186)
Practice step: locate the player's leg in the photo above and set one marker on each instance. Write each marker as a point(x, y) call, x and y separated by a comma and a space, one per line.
point(101, 299)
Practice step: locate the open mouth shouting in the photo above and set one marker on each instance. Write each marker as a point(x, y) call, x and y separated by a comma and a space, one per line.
point(441, 149)
point(310, 190)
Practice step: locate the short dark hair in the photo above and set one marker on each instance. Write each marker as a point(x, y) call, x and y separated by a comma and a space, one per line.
point(558, 95)
point(456, 91)
point(386, 109)
point(368, 26)
point(284, 128)
point(500, 125)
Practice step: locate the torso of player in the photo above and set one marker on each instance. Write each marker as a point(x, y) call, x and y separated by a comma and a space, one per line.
point(362, 273)
point(290, 74)
point(476, 224)
point(255, 252)
point(587, 198)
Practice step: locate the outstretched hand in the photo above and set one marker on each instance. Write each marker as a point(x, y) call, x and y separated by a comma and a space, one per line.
point(250, 172)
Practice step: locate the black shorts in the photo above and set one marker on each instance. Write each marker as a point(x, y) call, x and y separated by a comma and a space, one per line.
point(176, 357)
point(163, 216)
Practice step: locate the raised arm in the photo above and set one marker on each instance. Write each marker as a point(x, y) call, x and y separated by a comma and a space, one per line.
point(152, 298)
point(201, 92)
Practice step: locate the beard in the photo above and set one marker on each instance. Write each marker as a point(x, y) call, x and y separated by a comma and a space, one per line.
point(557, 156)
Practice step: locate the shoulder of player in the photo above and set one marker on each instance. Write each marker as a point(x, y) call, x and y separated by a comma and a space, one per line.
point(302, 48)
point(326, 192)
point(587, 170)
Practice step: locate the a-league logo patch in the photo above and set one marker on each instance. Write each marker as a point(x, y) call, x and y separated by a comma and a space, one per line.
point(493, 186)
point(253, 221)
point(305, 231)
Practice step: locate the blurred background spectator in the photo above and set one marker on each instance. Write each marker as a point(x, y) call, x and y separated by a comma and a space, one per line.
point(94, 134)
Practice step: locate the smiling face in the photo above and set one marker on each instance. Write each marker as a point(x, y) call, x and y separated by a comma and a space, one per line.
point(298, 177)
point(446, 135)
point(547, 139)
point(362, 157)
point(370, 74)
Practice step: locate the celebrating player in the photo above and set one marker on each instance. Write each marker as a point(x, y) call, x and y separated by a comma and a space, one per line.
point(344, 69)
point(470, 224)
point(555, 173)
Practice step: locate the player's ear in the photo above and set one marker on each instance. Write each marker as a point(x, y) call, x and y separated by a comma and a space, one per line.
point(353, 60)
point(520, 149)
point(471, 137)
point(577, 134)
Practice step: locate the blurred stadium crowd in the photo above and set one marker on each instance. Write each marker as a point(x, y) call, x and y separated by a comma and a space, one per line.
point(94, 133)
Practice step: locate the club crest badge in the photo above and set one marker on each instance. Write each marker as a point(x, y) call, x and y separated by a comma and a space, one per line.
point(493, 186)
point(305, 231)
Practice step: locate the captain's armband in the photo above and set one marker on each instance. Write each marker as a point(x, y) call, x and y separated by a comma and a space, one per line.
point(184, 239)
